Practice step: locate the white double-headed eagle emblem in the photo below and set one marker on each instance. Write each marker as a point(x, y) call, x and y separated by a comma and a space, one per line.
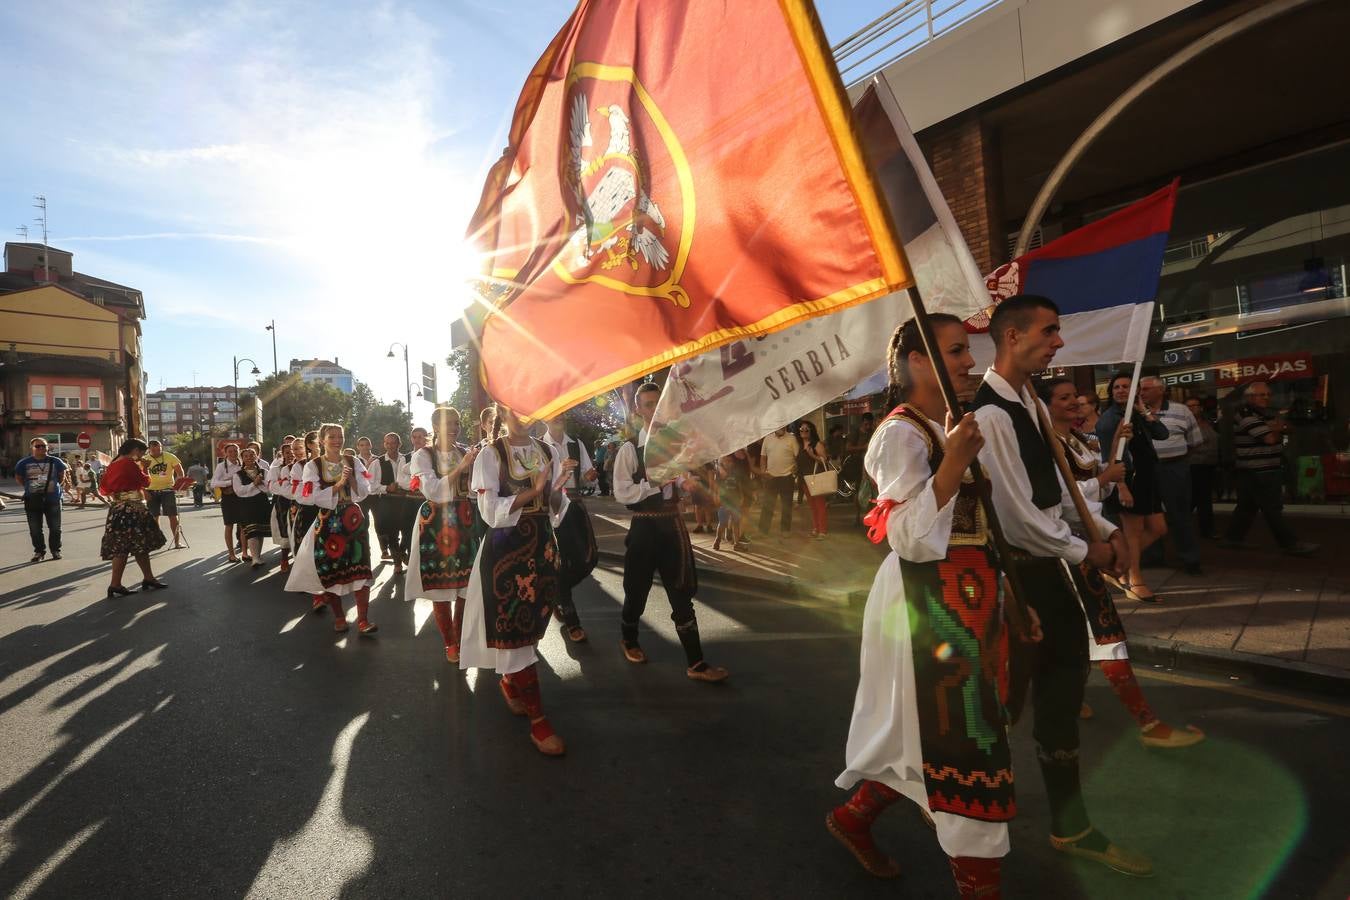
point(614, 214)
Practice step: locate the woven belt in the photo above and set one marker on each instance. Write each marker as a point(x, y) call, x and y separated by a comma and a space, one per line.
point(126, 496)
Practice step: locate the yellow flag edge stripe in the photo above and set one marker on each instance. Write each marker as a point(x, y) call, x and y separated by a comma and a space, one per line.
point(834, 109)
point(776, 321)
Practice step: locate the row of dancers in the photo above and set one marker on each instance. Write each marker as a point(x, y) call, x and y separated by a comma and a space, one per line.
point(495, 535)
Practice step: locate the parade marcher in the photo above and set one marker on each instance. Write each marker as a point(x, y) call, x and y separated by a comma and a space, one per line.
point(279, 486)
point(365, 452)
point(334, 558)
point(223, 480)
point(1106, 637)
point(40, 474)
point(487, 425)
point(1258, 443)
point(657, 542)
point(1139, 503)
point(164, 470)
point(404, 500)
point(303, 449)
point(576, 535)
point(514, 587)
point(255, 510)
point(1032, 502)
point(928, 723)
point(384, 473)
point(445, 543)
point(130, 529)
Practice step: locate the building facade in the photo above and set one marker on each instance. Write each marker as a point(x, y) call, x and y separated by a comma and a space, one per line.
point(321, 371)
point(189, 410)
point(70, 355)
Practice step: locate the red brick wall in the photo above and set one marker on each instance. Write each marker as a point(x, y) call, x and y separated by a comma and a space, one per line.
point(963, 157)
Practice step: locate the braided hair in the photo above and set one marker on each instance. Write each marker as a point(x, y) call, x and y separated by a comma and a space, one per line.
point(904, 341)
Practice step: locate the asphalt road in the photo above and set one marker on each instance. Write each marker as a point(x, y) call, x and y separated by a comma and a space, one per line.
point(216, 740)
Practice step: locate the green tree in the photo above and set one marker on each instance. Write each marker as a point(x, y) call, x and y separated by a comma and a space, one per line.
point(461, 398)
point(293, 406)
point(368, 417)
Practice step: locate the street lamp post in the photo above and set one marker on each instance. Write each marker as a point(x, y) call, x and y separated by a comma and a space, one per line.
point(407, 374)
point(273, 328)
point(256, 371)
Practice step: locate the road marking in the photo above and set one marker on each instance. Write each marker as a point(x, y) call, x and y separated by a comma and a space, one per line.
point(1322, 706)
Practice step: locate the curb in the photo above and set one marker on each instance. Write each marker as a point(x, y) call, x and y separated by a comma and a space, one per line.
point(1264, 670)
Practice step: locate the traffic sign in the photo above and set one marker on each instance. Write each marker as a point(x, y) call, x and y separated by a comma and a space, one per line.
point(83, 440)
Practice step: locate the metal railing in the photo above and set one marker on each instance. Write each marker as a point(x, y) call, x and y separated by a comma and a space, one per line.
point(903, 30)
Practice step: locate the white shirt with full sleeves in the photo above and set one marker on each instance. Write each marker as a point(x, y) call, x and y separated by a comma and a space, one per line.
point(625, 465)
point(474, 653)
point(224, 474)
point(304, 575)
point(437, 489)
point(883, 737)
point(244, 487)
point(1040, 532)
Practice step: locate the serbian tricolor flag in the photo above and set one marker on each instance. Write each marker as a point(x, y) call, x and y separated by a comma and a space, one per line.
point(1103, 277)
point(679, 176)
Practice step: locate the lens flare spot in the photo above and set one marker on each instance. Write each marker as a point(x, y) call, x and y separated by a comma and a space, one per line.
point(943, 651)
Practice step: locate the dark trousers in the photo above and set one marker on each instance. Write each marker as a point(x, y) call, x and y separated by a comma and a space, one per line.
point(198, 492)
point(657, 544)
point(602, 482)
point(395, 519)
point(1058, 676)
point(51, 511)
point(780, 489)
point(1202, 498)
point(1263, 492)
point(1174, 487)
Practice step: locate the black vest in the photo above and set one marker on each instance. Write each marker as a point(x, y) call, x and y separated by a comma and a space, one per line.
point(386, 471)
point(1036, 456)
point(654, 503)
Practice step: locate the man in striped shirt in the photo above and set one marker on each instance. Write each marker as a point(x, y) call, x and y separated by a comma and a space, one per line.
point(1259, 458)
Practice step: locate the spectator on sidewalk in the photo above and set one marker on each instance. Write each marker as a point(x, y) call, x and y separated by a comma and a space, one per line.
point(1140, 510)
point(730, 495)
point(778, 473)
point(199, 475)
point(40, 475)
point(601, 475)
point(1259, 462)
point(835, 444)
point(1174, 469)
point(811, 459)
point(1089, 411)
point(84, 483)
point(1204, 461)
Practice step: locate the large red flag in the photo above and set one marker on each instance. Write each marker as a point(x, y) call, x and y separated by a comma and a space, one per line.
point(679, 176)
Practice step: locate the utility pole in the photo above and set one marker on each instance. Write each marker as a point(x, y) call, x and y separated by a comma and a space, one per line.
point(40, 203)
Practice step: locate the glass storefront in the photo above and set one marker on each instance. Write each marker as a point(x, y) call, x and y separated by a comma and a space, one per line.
point(1254, 289)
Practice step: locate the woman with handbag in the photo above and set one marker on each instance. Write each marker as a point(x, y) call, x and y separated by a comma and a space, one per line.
point(813, 459)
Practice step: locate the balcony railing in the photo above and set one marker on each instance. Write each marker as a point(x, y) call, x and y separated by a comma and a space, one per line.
point(903, 30)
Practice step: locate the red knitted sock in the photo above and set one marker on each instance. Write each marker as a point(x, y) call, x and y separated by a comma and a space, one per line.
point(977, 878)
point(1121, 675)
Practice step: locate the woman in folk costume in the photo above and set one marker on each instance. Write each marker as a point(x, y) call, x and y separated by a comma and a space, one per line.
point(334, 559)
point(130, 529)
point(223, 480)
point(514, 587)
point(279, 485)
point(1106, 637)
point(928, 722)
point(303, 449)
point(255, 513)
point(444, 545)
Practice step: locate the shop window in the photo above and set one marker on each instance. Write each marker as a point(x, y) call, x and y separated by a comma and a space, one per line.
point(37, 396)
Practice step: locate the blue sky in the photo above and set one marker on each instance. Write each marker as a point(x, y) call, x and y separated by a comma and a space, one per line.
point(247, 160)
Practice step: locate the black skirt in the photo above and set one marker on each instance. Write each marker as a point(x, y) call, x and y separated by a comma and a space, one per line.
point(130, 531)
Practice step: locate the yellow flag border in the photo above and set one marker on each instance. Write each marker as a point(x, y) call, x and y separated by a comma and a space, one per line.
point(832, 103)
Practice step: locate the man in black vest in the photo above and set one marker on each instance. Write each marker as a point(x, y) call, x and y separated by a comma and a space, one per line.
point(1031, 504)
point(657, 542)
point(576, 536)
point(387, 505)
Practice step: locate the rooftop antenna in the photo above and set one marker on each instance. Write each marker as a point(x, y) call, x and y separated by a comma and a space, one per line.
point(22, 231)
point(40, 203)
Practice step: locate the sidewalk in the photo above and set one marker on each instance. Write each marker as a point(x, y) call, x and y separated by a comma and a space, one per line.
point(1255, 611)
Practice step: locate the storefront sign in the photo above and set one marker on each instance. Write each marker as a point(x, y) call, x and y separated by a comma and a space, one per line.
point(1186, 356)
point(1195, 378)
point(854, 407)
point(1276, 367)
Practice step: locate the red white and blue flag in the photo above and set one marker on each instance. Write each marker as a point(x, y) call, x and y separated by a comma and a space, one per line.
point(1104, 278)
